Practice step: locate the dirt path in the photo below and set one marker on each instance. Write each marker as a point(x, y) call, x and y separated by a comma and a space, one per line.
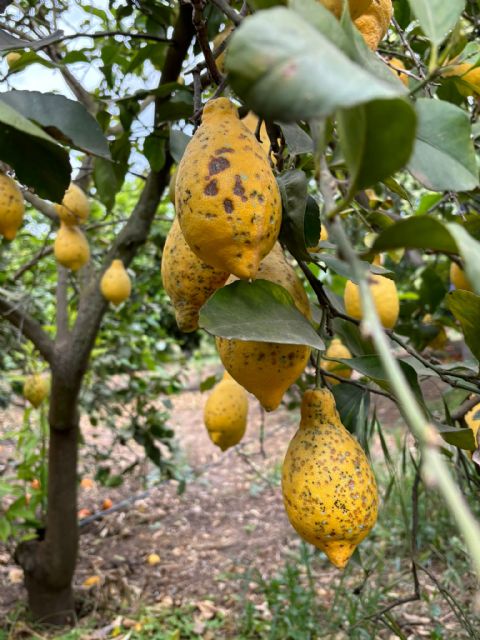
point(229, 517)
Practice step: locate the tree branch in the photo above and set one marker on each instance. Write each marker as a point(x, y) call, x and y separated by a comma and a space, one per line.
point(41, 205)
point(46, 251)
point(464, 408)
point(62, 304)
point(202, 39)
point(225, 8)
point(135, 232)
point(27, 327)
point(109, 34)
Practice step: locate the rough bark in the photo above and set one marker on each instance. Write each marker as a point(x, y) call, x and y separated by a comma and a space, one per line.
point(49, 563)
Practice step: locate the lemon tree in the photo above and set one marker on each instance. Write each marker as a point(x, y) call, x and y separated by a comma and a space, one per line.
point(300, 145)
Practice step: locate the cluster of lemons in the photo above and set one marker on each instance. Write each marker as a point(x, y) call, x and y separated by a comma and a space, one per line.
point(71, 248)
point(228, 219)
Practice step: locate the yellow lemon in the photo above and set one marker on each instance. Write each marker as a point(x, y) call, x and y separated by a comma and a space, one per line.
point(374, 23)
point(227, 199)
point(75, 207)
point(115, 284)
point(458, 278)
point(12, 207)
point(267, 369)
point(328, 486)
point(225, 413)
point(36, 388)
point(188, 281)
point(337, 350)
point(385, 298)
point(71, 247)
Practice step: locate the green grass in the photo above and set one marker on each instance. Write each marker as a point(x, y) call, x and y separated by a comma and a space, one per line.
point(295, 608)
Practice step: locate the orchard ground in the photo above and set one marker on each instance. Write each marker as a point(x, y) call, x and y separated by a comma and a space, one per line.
point(230, 564)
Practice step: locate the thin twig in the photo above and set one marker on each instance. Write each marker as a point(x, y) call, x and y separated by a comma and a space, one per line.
point(464, 408)
point(354, 383)
point(202, 39)
point(223, 5)
point(28, 327)
point(407, 46)
point(41, 205)
point(109, 34)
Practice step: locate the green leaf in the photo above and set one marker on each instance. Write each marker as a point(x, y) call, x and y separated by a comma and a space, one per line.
point(293, 189)
point(154, 150)
point(419, 232)
point(352, 338)
point(261, 311)
point(265, 4)
point(105, 182)
point(27, 58)
point(208, 383)
point(465, 306)
point(297, 140)
point(286, 70)
point(461, 438)
point(437, 17)
point(5, 529)
point(432, 291)
point(469, 249)
point(376, 139)
point(109, 176)
point(344, 269)
point(312, 226)
point(178, 107)
point(443, 158)
point(178, 144)
point(65, 120)
point(353, 405)
point(38, 160)
point(372, 367)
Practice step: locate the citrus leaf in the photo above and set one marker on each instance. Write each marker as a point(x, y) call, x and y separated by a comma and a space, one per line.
point(293, 189)
point(443, 158)
point(38, 160)
point(178, 144)
point(376, 139)
point(352, 338)
point(154, 150)
point(372, 367)
point(461, 438)
point(437, 17)
point(297, 140)
point(353, 405)
point(286, 70)
point(65, 120)
point(419, 232)
point(261, 311)
point(465, 306)
point(469, 249)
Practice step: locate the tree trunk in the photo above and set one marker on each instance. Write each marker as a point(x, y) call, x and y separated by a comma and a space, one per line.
point(49, 564)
